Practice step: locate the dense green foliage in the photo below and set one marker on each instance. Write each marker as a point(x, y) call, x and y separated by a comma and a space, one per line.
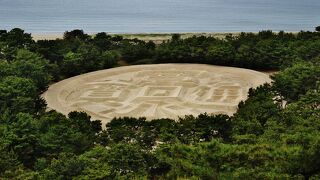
point(274, 135)
point(265, 50)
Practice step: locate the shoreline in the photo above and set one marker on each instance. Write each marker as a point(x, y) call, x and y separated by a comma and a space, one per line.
point(141, 36)
point(156, 37)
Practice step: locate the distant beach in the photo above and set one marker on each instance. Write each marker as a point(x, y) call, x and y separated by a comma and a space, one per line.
point(156, 37)
point(37, 37)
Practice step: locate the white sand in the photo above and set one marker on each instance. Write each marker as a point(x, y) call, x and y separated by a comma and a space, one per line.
point(37, 37)
point(155, 37)
point(154, 91)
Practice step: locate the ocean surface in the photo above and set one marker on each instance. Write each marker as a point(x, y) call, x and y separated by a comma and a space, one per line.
point(139, 16)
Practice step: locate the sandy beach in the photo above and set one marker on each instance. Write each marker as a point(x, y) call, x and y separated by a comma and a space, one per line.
point(37, 37)
point(156, 37)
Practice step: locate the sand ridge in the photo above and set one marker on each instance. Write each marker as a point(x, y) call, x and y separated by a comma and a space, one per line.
point(154, 91)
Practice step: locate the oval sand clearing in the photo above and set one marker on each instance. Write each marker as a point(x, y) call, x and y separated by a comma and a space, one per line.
point(155, 91)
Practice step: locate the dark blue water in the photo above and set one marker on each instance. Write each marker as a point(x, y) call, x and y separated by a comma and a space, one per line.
point(135, 16)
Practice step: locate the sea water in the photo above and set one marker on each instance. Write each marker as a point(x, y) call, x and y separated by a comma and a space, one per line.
point(140, 16)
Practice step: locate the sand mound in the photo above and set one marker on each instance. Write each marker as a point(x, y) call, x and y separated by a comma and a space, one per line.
point(154, 91)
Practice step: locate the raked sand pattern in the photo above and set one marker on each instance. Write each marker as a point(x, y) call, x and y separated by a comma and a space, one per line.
point(154, 91)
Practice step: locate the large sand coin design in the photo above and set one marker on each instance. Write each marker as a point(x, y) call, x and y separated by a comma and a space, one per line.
point(155, 91)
